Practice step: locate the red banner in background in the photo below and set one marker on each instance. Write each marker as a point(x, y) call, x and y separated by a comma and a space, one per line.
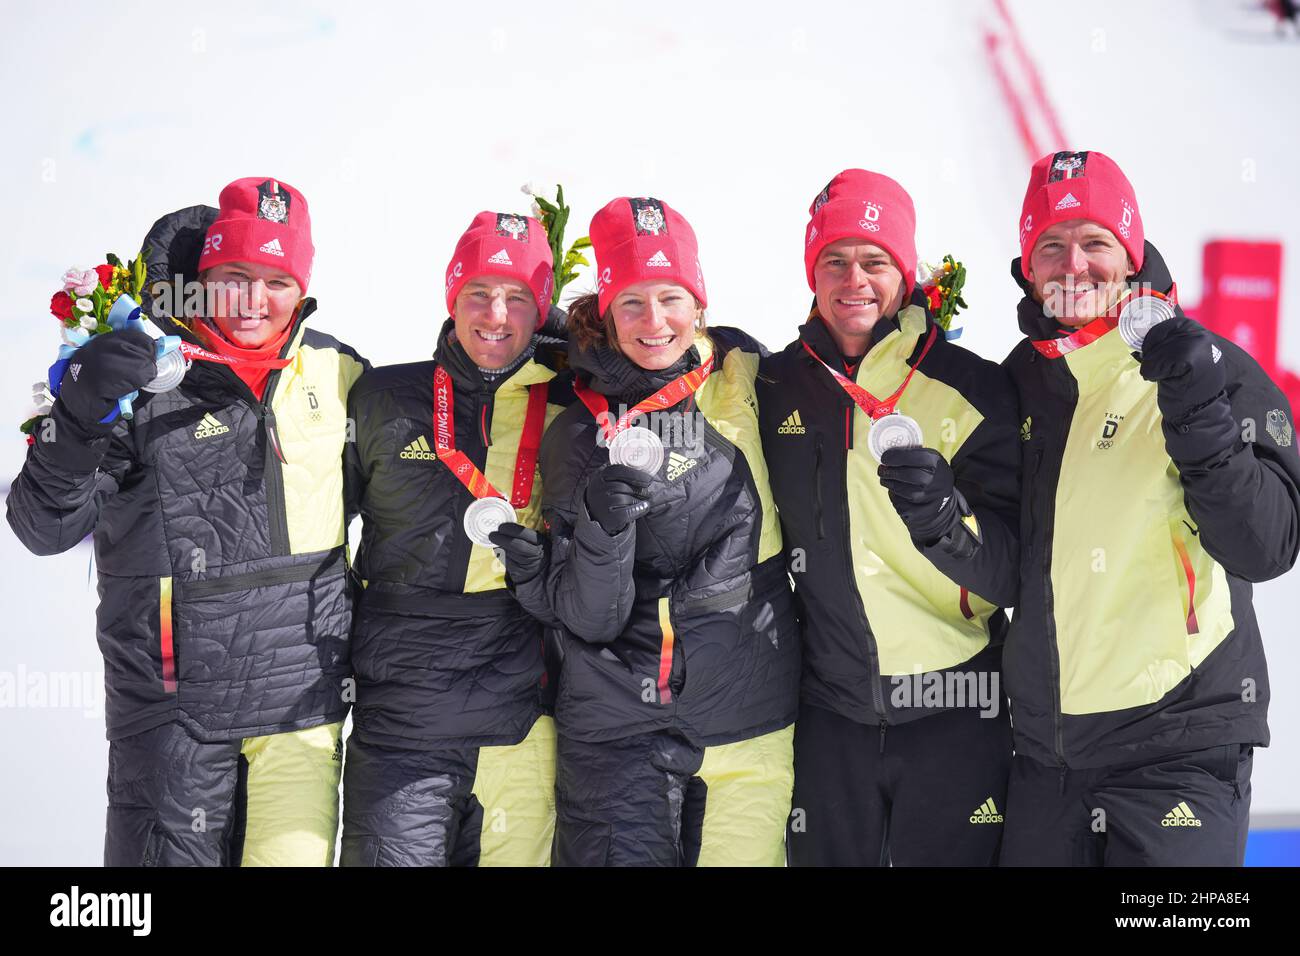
point(1240, 300)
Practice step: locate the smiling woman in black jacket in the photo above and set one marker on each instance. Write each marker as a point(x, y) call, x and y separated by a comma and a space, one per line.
point(679, 679)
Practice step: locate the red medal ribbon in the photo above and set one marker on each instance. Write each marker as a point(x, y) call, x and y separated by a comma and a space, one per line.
point(668, 396)
point(1055, 348)
point(191, 351)
point(444, 440)
point(874, 407)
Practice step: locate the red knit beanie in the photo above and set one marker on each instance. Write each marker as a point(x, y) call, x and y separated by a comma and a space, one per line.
point(264, 221)
point(636, 240)
point(503, 244)
point(1085, 185)
point(858, 204)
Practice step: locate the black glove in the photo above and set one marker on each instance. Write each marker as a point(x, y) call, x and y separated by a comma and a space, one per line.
point(521, 550)
point(617, 495)
point(1180, 356)
point(107, 367)
point(920, 485)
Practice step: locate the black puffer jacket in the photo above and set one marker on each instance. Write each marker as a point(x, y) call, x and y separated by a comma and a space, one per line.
point(876, 607)
point(1134, 635)
point(684, 620)
point(222, 575)
point(444, 655)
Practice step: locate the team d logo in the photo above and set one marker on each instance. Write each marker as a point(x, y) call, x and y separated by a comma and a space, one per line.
point(1126, 220)
point(272, 202)
point(516, 227)
point(870, 220)
point(1108, 430)
point(648, 214)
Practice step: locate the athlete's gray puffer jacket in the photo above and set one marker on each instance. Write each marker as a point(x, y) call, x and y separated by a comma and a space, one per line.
point(218, 522)
point(684, 620)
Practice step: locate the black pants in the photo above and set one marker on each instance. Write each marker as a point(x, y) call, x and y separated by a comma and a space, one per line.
point(656, 799)
point(474, 806)
point(929, 792)
point(257, 801)
point(1188, 809)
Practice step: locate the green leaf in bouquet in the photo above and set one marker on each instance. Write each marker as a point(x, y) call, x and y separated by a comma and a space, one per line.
point(29, 427)
point(112, 259)
point(139, 269)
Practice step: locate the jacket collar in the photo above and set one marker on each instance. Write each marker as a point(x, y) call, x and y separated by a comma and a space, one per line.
point(464, 372)
point(911, 323)
point(613, 375)
point(817, 336)
point(1038, 326)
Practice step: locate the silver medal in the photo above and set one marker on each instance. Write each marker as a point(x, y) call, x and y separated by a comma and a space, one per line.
point(171, 369)
point(894, 430)
point(1139, 315)
point(484, 516)
point(637, 448)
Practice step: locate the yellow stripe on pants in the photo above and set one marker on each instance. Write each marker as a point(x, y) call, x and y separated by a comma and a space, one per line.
point(293, 797)
point(516, 787)
point(750, 784)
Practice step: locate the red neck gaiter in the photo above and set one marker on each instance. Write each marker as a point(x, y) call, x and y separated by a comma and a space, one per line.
point(253, 376)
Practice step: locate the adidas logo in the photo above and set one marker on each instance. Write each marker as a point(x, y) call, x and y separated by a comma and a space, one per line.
point(210, 426)
point(502, 258)
point(659, 259)
point(1215, 353)
point(1025, 426)
point(1180, 816)
point(679, 465)
point(419, 450)
point(986, 812)
point(74, 370)
point(792, 425)
point(272, 247)
point(1068, 202)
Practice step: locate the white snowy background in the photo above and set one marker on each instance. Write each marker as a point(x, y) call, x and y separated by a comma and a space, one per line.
point(401, 121)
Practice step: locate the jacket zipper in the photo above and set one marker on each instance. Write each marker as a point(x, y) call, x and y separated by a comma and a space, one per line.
point(331, 562)
point(1058, 730)
point(873, 657)
point(277, 516)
